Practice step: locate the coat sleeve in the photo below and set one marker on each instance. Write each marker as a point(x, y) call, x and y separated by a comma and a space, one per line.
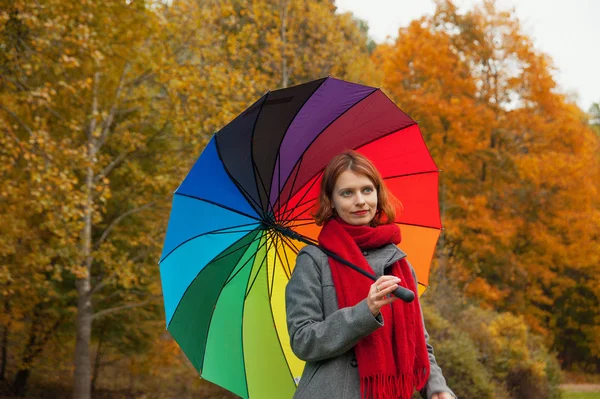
point(312, 336)
point(436, 382)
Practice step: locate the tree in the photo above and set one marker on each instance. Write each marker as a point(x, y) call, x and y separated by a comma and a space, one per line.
point(520, 164)
point(86, 116)
point(105, 106)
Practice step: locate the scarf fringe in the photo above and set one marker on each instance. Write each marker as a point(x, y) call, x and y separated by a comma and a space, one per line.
point(381, 386)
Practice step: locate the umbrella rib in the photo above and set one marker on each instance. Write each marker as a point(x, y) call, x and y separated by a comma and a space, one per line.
point(292, 245)
point(219, 205)
point(262, 183)
point(275, 238)
point(302, 224)
point(218, 231)
point(232, 252)
point(257, 206)
point(288, 271)
point(254, 167)
point(325, 128)
point(306, 202)
point(249, 259)
point(412, 174)
point(289, 213)
point(314, 181)
point(418, 225)
point(230, 232)
point(258, 271)
point(285, 207)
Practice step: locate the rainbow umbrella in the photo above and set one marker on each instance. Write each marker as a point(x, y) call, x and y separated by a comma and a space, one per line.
point(243, 212)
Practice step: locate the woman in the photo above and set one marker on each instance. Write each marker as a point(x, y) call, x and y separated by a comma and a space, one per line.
point(357, 341)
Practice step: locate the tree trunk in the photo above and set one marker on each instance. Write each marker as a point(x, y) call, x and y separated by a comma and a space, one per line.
point(96, 370)
point(83, 366)
point(21, 382)
point(5, 343)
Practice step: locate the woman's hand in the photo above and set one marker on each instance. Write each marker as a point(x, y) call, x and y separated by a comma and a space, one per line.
point(442, 395)
point(379, 291)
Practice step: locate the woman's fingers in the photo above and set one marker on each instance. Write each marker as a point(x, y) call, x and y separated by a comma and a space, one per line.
point(386, 291)
point(382, 285)
point(379, 292)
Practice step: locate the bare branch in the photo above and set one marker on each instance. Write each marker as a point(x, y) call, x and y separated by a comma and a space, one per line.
point(111, 116)
point(54, 112)
point(112, 225)
point(125, 307)
point(125, 154)
point(147, 74)
point(115, 162)
point(92, 125)
point(103, 281)
point(17, 118)
point(19, 85)
point(14, 137)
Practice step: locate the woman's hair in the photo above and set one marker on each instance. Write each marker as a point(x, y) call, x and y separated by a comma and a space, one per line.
point(359, 164)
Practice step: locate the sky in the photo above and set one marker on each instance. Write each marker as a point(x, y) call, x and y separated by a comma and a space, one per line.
point(568, 31)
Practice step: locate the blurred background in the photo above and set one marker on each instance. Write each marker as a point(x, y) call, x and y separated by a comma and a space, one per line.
point(104, 107)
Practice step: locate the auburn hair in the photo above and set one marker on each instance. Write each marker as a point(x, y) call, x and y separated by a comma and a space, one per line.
point(359, 164)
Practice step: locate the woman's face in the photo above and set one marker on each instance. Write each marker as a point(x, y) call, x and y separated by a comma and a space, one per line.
point(354, 198)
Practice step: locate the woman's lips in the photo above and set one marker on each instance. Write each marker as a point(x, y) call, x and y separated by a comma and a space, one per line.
point(360, 213)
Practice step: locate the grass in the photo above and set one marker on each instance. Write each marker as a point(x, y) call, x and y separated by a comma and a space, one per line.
point(581, 395)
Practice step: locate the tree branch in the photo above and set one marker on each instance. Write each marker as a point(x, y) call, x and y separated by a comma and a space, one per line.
point(113, 109)
point(124, 307)
point(113, 164)
point(16, 117)
point(103, 281)
point(116, 221)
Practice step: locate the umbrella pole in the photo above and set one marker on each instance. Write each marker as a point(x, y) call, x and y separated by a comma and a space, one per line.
point(405, 294)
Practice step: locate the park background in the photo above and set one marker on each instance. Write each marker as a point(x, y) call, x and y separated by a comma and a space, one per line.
point(104, 107)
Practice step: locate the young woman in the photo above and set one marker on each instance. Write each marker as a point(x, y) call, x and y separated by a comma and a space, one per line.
point(356, 339)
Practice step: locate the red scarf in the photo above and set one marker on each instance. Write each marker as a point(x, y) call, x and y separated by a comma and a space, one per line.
point(393, 360)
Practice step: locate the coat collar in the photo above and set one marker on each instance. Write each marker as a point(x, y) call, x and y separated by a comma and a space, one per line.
point(383, 257)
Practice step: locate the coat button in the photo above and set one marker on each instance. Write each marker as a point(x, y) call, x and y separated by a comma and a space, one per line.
point(365, 253)
point(354, 363)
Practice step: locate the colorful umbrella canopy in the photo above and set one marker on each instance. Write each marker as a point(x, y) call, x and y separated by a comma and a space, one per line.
point(228, 252)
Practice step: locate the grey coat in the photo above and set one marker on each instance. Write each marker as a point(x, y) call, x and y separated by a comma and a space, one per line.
point(324, 335)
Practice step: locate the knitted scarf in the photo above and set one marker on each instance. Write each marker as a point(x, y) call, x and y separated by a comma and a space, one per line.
point(393, 360)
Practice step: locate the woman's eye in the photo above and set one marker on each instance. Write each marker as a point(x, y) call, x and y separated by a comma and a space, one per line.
point(368, 190)
point(346, 193)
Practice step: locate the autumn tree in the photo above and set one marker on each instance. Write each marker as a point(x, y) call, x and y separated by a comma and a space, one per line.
point(519, 181)
point(103, 107)
point(87, 119)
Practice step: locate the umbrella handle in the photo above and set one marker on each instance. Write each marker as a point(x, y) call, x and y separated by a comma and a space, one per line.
point(405, 294)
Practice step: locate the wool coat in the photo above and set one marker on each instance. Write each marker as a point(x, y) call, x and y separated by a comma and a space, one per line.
point(324, 336)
